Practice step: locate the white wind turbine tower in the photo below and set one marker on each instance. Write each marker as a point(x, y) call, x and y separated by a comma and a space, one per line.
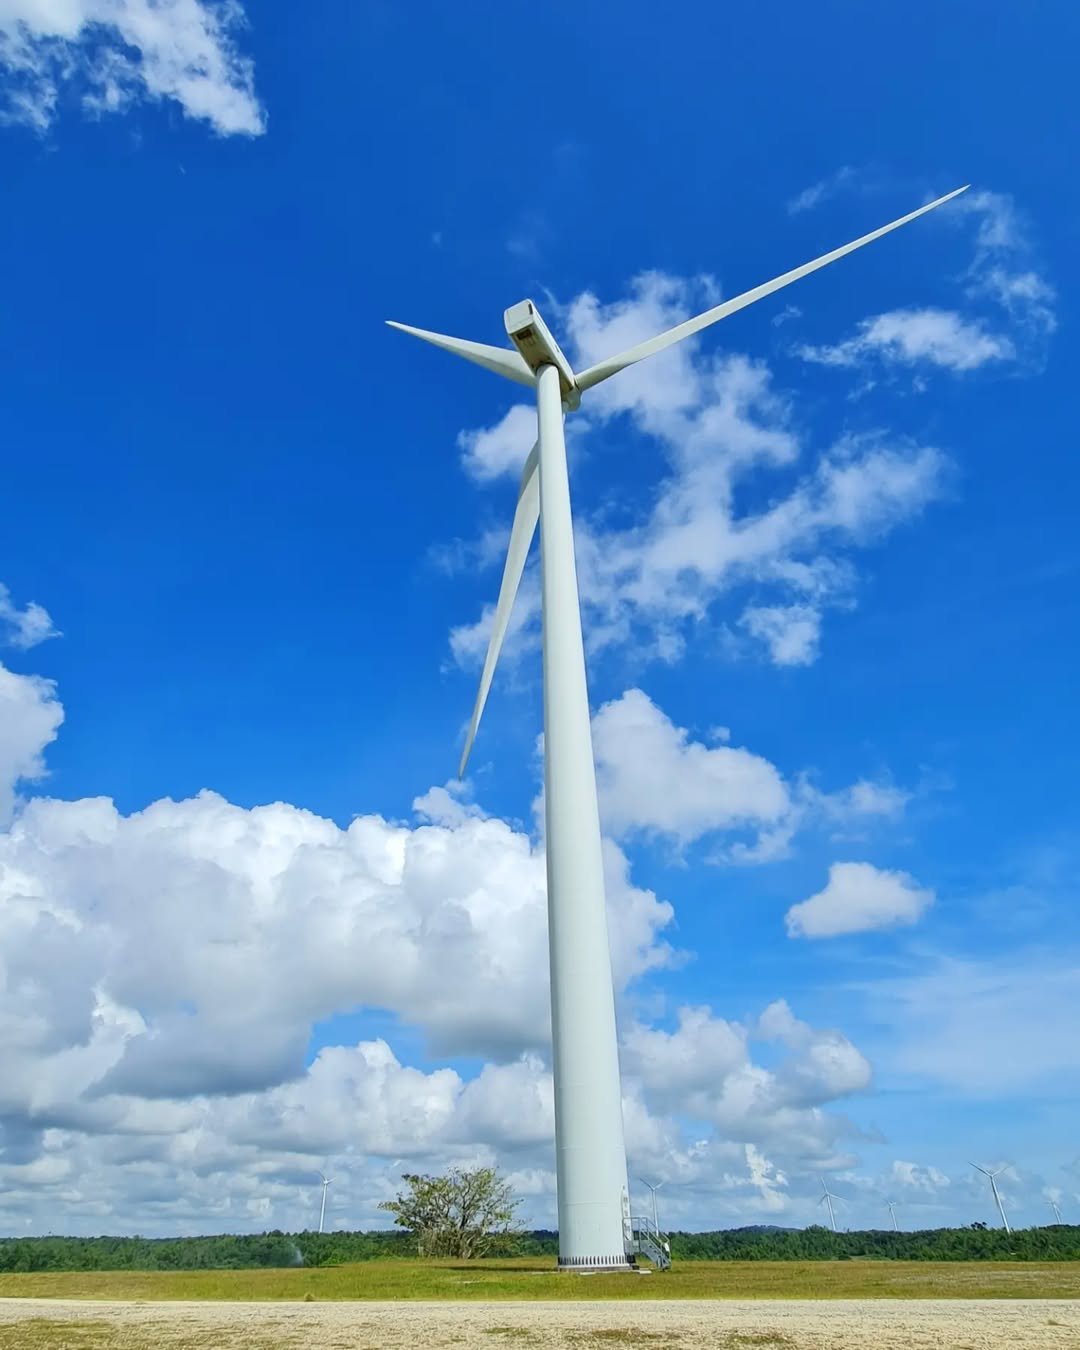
point(322, 1208)
point(892, 1215)
point(594, 1207)
point(1054, 1206)
point(827, 1198)
point(993, 1186)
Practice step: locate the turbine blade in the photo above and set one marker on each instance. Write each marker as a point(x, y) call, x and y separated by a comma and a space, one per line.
point(614, 364)
point(502, 360)
point(521, 534)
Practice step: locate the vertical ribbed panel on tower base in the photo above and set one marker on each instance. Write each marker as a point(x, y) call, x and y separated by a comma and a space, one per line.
point(582, 1263)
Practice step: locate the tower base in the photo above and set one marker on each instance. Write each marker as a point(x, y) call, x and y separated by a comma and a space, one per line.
point(584, 1265)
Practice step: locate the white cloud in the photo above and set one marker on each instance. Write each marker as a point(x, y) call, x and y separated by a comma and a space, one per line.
point(824, 1065)
point(700, 1054)
point(910, 336)
point(233, 931)
point(113, 53)
point(248, 1161)
point(704, 1069)
point(1002, 269)
point(490, 452)
point(866, 798)
point(859, 898)
point(791, 633)
point(30, 716)
point(821, 191)
point(652, 777)
point(1027, 296)
point(850, 809)
point(25, 627)
point(909, 1176)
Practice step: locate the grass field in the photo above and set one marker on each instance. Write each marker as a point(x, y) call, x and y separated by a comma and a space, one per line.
point(534, 1279)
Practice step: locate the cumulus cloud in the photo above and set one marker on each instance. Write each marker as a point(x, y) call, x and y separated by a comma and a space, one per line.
point(694, 548)
point(652, 777)
point(859, 898)
point(249, 1161)
point(824, 1064)
point(162, 974)
point(704, 1068)
point(490, 452)
point(233, 931)
point(655, 780)
point(26, 627)
point(112, 53)
point(246, 1159)
point(30, 716)
point(700, 1054)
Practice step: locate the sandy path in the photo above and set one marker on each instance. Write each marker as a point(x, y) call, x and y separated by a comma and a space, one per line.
point(843, 1324)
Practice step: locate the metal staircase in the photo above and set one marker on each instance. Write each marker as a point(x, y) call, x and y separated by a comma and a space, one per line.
point(651, 1243)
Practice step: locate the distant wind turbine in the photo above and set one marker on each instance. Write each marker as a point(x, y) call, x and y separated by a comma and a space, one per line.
point(1054, 1206)
point(653, 1189)
point(322, 1208)
point(827, 1198)
point(590, 1148)
point(993, 1186)
point(892, 1215)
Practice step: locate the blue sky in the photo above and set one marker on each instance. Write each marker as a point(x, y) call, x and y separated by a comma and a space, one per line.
point(828, 563)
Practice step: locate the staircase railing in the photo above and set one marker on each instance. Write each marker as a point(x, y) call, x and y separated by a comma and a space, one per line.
point(650, 1242)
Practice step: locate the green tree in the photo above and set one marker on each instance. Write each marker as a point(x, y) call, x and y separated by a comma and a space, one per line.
point(465, 1213)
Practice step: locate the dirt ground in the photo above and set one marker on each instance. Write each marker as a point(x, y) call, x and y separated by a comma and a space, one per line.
point(843, 1324)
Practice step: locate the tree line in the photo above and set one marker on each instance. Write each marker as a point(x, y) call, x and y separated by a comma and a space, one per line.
point(1059, 1242)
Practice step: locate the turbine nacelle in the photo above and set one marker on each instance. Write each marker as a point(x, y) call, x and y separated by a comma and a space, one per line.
point(532, 337)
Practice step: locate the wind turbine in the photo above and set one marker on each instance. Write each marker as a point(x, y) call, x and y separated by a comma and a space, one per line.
point(590, 1151)
point(993, 1186)
point(322, 1208)
point(1054, 1206)
point(892, 1215)
point(653, 1189)
point(827, 1197)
